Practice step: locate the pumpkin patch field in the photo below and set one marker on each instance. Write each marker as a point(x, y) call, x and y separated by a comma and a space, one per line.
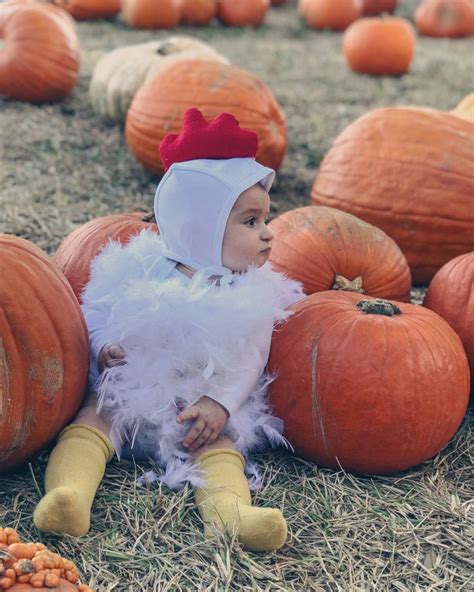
point(368, 119)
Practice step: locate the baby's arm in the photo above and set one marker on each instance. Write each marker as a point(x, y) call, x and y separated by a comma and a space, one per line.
point(211, 414)
point(240, 383)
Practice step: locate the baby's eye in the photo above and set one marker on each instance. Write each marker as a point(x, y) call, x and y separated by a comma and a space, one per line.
point(251, 221)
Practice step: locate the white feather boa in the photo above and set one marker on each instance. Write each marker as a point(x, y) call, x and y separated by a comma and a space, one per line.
point(182, 339)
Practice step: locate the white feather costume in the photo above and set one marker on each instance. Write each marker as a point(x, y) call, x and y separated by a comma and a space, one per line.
point(183, 338)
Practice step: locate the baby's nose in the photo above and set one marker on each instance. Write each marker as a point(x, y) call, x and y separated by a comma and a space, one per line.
point(267, 234)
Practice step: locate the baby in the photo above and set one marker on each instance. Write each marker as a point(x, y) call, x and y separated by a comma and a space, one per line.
point(180, 327)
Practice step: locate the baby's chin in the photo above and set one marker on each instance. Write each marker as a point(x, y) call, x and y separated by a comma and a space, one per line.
point(259, 261)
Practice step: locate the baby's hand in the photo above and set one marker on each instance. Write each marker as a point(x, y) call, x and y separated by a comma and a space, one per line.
point(110, 355)
point(210, 418)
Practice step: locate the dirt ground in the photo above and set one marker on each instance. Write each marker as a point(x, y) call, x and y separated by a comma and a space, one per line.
point(61, 165)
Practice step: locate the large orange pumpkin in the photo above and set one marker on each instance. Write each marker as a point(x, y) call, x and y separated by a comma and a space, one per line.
point(451, 295)
point(243, 12)
point(39, 60)
point(445, 18)
point(90, 9)
point(373, 7)
point(159, 106)
point(327, 14)
point(410, 172)
point(379, 45)
point(75, 254)
point(364, 391)
point(198, 12)
point(327, 249)
point(44, 351)
point(151, 14)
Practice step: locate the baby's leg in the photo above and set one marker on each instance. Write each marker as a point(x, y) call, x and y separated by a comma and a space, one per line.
point(225, 503)
point(75, 469)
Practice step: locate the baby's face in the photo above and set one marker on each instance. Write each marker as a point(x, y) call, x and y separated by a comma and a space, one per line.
point(247, 240)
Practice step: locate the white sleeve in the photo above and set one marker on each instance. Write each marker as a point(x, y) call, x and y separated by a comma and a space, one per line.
point(241, 384)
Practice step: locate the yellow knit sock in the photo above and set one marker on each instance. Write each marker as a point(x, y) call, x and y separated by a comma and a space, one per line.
point(225, 504)
point(75, 468)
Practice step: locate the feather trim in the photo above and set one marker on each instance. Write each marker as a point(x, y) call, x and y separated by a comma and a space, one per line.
point(182, 339)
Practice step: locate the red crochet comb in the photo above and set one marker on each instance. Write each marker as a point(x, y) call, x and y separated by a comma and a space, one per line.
point(221, 138)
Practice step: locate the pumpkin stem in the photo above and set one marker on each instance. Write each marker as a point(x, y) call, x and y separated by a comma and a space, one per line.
point(378, 306)
point(342, 283)
point(150, 217)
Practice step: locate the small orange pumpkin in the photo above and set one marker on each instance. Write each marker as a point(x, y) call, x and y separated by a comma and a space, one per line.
point(63, 586)
point(327, 14)
point(39, 61)
point(83, 10)
point(374, 7)
point(243, 12)
point(45, 351)
point(367, 385)
point(198, 12)
point(151, 14)
point(445, 18)
point(451, 295)
point(327, 249)
point(159, 105)
point(75, 254)
point(379, 45)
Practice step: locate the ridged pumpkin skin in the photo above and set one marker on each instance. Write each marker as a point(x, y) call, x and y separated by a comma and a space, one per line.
point(75, 254)
point(39, 61)
point(242, 13)
point(379, 45)
point(327, 249)
point(408, 171)
point(119, 73)
point(159, 106)
point(151, 14)
point(445, 18)
point(374, 7)
point(451, 295)
point(367, 392)
point(327, 14)
point(198, 12)
point(83, 10)
point(44, 354)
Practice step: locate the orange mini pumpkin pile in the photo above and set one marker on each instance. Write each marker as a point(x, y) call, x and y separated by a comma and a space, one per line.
point(31, 566)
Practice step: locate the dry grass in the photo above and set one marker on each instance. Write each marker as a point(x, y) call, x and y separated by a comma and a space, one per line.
point(61, 165)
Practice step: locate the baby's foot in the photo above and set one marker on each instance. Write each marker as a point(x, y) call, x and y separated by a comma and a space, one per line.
point(61, 511)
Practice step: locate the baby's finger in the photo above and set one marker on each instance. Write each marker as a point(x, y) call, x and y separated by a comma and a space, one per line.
point(194, 432)
point(201, 439)
point(116, 352)
point(189, 413)
point(112, 362)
